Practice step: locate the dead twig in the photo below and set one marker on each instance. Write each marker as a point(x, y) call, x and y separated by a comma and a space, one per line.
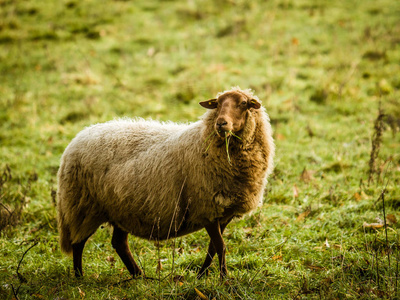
point(5, 207)
point(20, 277)
point(15, 292)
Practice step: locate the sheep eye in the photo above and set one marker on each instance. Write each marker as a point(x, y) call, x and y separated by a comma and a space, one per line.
point(244, 102)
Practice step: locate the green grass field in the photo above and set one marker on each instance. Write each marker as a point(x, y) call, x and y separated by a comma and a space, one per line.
point(322, 70)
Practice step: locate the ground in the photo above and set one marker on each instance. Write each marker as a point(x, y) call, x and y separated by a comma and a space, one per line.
point(327, 73)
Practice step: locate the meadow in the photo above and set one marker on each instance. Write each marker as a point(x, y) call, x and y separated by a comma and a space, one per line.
point(328, 73)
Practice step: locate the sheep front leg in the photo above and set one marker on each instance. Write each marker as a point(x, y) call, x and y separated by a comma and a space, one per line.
point(216, 245)
point(120, 244)
point(207, 262)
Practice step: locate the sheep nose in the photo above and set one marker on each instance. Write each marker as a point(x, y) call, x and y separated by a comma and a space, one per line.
point(222, 126)
point(221, 123)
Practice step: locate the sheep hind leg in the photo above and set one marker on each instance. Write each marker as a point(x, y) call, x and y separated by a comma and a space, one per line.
point(120, 244)
point(77, 250)
point(217, 230)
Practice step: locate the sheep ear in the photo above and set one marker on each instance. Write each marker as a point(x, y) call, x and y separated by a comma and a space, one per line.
point(254, 103)
point(210, 104)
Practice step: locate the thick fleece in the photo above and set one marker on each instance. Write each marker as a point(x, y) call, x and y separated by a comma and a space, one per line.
point(161, 180)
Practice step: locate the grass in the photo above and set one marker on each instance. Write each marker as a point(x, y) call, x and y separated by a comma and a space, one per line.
point(320, 68)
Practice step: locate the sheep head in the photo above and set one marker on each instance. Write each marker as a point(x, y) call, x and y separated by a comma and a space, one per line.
point(232, 108)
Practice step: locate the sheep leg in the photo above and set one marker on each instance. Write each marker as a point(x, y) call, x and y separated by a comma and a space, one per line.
point(120, 244)
point(207, 262)
point(215, 231)
point(77, 250)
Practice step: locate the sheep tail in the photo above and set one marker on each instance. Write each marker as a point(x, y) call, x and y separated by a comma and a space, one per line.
point(65, 235)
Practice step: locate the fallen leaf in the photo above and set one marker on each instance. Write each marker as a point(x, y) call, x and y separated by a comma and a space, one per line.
point(200, 294)
point(315, 268)
point(357, 196)
point(302, 216)
point(111, 260)
point(295, 191)
point(81, 293)
point(33, 230)
point(216, 68)
point(372, 225)
point(248, 232)
point(151, 51)
point(280, 137)
point(391, 218)
point(306, 175)
point(159, 266)
point(197, 249)
point(103, 32)
point(277, 257)
point(178, 279)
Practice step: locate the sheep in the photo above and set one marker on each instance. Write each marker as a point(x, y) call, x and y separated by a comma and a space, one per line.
point(164, 180)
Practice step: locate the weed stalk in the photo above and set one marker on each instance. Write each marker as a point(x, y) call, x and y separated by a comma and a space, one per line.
point(397, 265)
point(377, 262)
point(227, 139)
point(384, 220)
point(376, 144)
point(159, 266)
point(212, 134)
point(279, 246)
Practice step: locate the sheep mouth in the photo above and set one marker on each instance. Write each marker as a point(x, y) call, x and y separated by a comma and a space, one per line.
point(225, 138)
point(222, 134)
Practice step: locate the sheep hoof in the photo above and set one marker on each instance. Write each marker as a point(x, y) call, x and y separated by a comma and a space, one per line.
point(138, 274)
point(202, 273)
point(78, 274)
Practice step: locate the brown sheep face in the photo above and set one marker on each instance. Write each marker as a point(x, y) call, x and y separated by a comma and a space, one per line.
point(232, 110)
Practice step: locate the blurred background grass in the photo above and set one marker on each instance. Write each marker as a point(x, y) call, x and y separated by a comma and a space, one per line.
point(321, 68)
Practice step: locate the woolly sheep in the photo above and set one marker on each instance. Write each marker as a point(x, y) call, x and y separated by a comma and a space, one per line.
point(163, 180)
